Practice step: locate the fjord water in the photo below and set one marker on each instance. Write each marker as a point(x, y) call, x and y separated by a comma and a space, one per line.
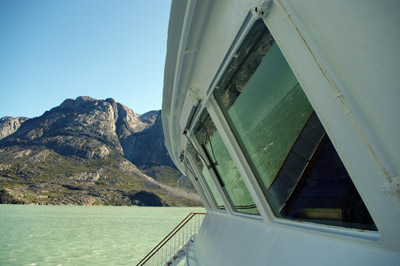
point(83, 235)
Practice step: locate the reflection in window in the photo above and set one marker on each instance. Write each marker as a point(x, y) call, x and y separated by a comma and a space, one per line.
point(223, 165)
point(283, 140)
point(207, 178)
point(213, 189)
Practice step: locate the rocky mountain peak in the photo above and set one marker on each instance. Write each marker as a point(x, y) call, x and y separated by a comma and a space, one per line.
point(87, 143)
point(71, 103)
point(83, 127)
point(150, 117)
point(128, 122)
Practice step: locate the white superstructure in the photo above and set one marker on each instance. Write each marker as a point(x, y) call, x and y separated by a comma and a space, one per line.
point(285, 116)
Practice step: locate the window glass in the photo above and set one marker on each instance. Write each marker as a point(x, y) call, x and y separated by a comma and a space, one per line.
point(273, 127)
point(283, 140)
point(223, 165)
point(213, 189)
point(207, 177)
point(324, 193)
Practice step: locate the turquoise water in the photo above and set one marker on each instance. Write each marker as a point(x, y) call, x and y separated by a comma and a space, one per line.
point(83, 235)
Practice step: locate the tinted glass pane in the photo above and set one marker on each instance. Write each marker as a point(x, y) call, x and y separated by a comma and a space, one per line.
point(273, 127)
point(223, 165)
point(325, 192)
point(213, 189)
point(207, 177)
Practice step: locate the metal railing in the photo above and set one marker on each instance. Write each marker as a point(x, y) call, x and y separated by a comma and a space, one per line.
point(172, 248)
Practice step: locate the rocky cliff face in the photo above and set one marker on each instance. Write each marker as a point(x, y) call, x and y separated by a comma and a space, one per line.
point(89, 151)
point(9, 125)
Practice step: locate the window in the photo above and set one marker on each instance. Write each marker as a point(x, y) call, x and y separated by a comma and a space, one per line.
point(207, 178)
point(214, 191)
point(283, 140)
point(223, 165)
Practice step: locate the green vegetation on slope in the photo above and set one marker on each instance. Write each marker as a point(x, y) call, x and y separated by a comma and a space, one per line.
point(36, 175)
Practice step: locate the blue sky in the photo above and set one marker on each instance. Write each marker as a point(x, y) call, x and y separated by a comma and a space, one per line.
point(53, 50)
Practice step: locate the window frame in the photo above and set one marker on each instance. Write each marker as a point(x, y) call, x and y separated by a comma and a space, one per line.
point(197, 183)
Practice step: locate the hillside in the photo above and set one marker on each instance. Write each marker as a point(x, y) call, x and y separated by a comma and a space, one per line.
point(89, 152)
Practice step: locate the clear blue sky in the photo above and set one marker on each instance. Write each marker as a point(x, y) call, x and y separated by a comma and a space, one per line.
point(53, 50)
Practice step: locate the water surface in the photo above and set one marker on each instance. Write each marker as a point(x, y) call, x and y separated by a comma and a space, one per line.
point(83, 235)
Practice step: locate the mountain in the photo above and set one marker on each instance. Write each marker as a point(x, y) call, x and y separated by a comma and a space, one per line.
point(89, 152)
point(9, 125)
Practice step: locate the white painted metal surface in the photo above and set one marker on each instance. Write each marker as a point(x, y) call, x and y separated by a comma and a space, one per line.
point(346, 57)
